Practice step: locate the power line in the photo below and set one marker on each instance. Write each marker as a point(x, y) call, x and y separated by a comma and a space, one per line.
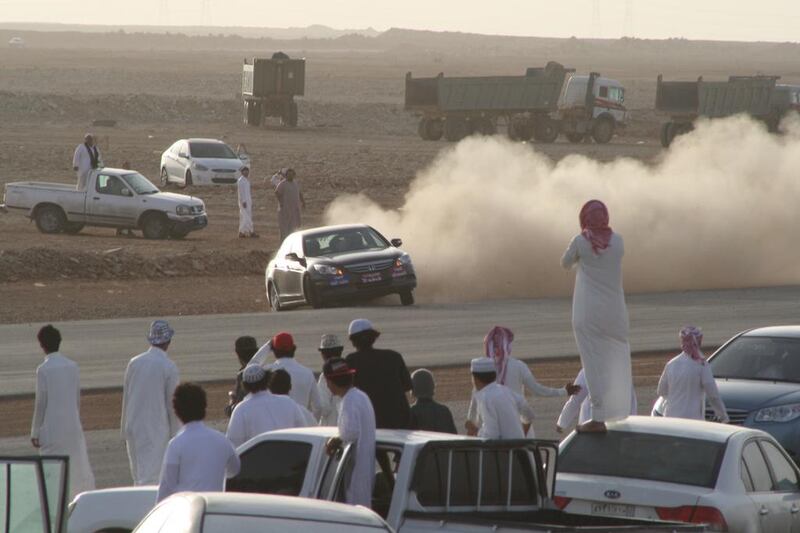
point(627, 27)
point(597, 28)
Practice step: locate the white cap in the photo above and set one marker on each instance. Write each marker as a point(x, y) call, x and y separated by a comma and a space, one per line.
point(482, 365)
point(359, 325)
point(329, 342)
point(253, 373)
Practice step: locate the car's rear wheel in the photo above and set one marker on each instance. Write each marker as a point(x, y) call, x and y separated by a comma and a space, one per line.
point(407, 298)
point(50, 219)
point(312, 298)
point(274, 298)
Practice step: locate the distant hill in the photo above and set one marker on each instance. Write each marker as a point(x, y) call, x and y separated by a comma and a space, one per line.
point(315, 31)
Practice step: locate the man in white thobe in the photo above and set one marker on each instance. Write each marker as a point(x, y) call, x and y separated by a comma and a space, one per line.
point(304, 384)
point(56, 428)
point(85, 159)
point(513, 373)
point(579, 405)
point(687, 381)
point(261, 411)
point(502, 412)
point(245, 205)
point(198, 459)
point(356, 429)
point(148, 421)
point(330, 346)
point(280, 384)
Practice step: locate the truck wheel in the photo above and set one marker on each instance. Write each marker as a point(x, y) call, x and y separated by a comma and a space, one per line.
point(289, 117)
point(519, 128)
point(154, 226)
point(435, 129)
point(50, 219)
point(575, 137)
point(73, 228)
point(312, 298)
point(274, 299)
point(603, 131)
point(455, 129)
point(407, 298)
point(252, 113)
point(666, 134)
point(545, 130)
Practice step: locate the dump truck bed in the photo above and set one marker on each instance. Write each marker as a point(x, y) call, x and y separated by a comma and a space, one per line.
point(716, 99)
point(274, 77)
point(537, 91)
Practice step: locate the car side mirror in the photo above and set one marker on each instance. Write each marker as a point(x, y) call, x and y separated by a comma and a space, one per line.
point(397, 243)
point(296, 258)
point(244, 157)
point(183, 155)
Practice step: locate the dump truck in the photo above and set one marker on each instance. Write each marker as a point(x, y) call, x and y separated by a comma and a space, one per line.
point(269, 87)
point(545, 102)
point(685, 101)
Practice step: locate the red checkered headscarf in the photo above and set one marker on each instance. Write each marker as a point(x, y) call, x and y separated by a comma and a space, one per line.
point(691, 339)
point(497, 345)
point(594, 225)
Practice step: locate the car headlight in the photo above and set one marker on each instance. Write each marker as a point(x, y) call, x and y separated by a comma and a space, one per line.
point(779, 413)
point(183, 210)
point(198, 166)
point(328, 270)
point(403, 260)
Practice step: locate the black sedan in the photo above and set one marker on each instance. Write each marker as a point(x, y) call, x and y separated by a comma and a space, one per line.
point(331, 264)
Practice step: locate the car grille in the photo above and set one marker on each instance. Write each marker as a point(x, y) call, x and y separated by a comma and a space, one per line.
point(377, 266)
point(223, 170)
point(737, 416)
point(223, 180)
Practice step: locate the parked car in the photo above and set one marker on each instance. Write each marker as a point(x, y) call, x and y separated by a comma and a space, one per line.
point(114, 198)
point(16, 42)
point(201, 162)
point(422, 480)
point(735, 479)
point(219, 512)
point(333, 263)
point(758, 376)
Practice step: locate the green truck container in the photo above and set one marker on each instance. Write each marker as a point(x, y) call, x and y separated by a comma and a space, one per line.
point(269, 87)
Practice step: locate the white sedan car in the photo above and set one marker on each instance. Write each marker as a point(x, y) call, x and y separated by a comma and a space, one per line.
point(219, 512)
point(733, 478)
point(201, 162)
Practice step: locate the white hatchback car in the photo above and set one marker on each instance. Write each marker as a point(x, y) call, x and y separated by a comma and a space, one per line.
point(201, 162)
point(219, 512)
point(732, 478)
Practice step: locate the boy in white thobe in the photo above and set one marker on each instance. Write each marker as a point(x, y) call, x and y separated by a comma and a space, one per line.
point(261, 411)
point(499, 408)
point(356, 428)
point(56, 427)
point(199, 458)
point(148, 421)
point(245, 205)
point(330, 346)
point(579, 406)
point(687, 381)
point(85, 159)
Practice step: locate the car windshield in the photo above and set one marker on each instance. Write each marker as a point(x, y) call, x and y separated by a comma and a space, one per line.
point(139, 183)
point(643, 456)
point(763, 358)
point(343, 241)
point(211, 151)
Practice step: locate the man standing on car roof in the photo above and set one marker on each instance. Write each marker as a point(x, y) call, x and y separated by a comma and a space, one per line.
point(86, 159)
point(356, 428)
point(382, 375)
point(687, 381)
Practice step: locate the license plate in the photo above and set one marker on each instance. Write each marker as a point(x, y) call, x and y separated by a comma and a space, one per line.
point(613, 509)
point(372, 277)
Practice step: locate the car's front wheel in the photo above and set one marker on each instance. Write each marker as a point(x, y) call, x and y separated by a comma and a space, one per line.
point(155, 226)
point(164, 178)
point(312, 298)
point(274, 298)
point(407, 298)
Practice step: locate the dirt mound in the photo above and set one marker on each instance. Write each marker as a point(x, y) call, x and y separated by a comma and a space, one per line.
point(40, 264)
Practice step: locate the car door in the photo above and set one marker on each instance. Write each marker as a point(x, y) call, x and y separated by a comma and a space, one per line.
point(295, 268)
point(280, 270)
point(33, 494)
point(171, 159)
point(111, 202)
point(785, 481)
point(773, 514)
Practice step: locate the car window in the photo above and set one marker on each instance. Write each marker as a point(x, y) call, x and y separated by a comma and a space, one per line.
point(337, 242)
point(643, 456)
point(759, 358)
point(387, 462)
point(211, 150)
point(139, 183)
point(746, 480)
point(757, 467)
point(272, 467)
point(785, 474)
point(223, 523)
point(330, 474)
point(112, 185)
point(175, 148)
point(604, 92)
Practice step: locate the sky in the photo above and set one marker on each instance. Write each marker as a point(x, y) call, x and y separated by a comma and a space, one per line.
point(741, 20)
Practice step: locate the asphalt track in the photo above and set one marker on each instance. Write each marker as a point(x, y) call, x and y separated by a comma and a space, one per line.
point(426, 335)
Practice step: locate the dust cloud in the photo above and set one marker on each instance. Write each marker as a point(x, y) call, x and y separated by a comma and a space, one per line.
point(491, 218)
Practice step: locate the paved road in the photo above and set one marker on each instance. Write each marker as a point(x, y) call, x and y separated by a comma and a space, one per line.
point(426, 335)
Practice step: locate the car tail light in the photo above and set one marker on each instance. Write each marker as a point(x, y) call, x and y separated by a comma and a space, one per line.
point(561, 502)
point(695, 515)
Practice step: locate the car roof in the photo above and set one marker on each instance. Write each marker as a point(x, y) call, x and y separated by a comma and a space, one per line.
point(202, 140)
point(338, 227)
point(774, 331)
point(679, 427)
point(290, 507)
point(390, 436)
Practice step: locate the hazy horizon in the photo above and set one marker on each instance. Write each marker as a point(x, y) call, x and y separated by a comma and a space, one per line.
point(769, 20)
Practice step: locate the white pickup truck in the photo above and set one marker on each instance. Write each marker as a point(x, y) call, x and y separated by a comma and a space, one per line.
point(423, 482)
point(113, 198)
